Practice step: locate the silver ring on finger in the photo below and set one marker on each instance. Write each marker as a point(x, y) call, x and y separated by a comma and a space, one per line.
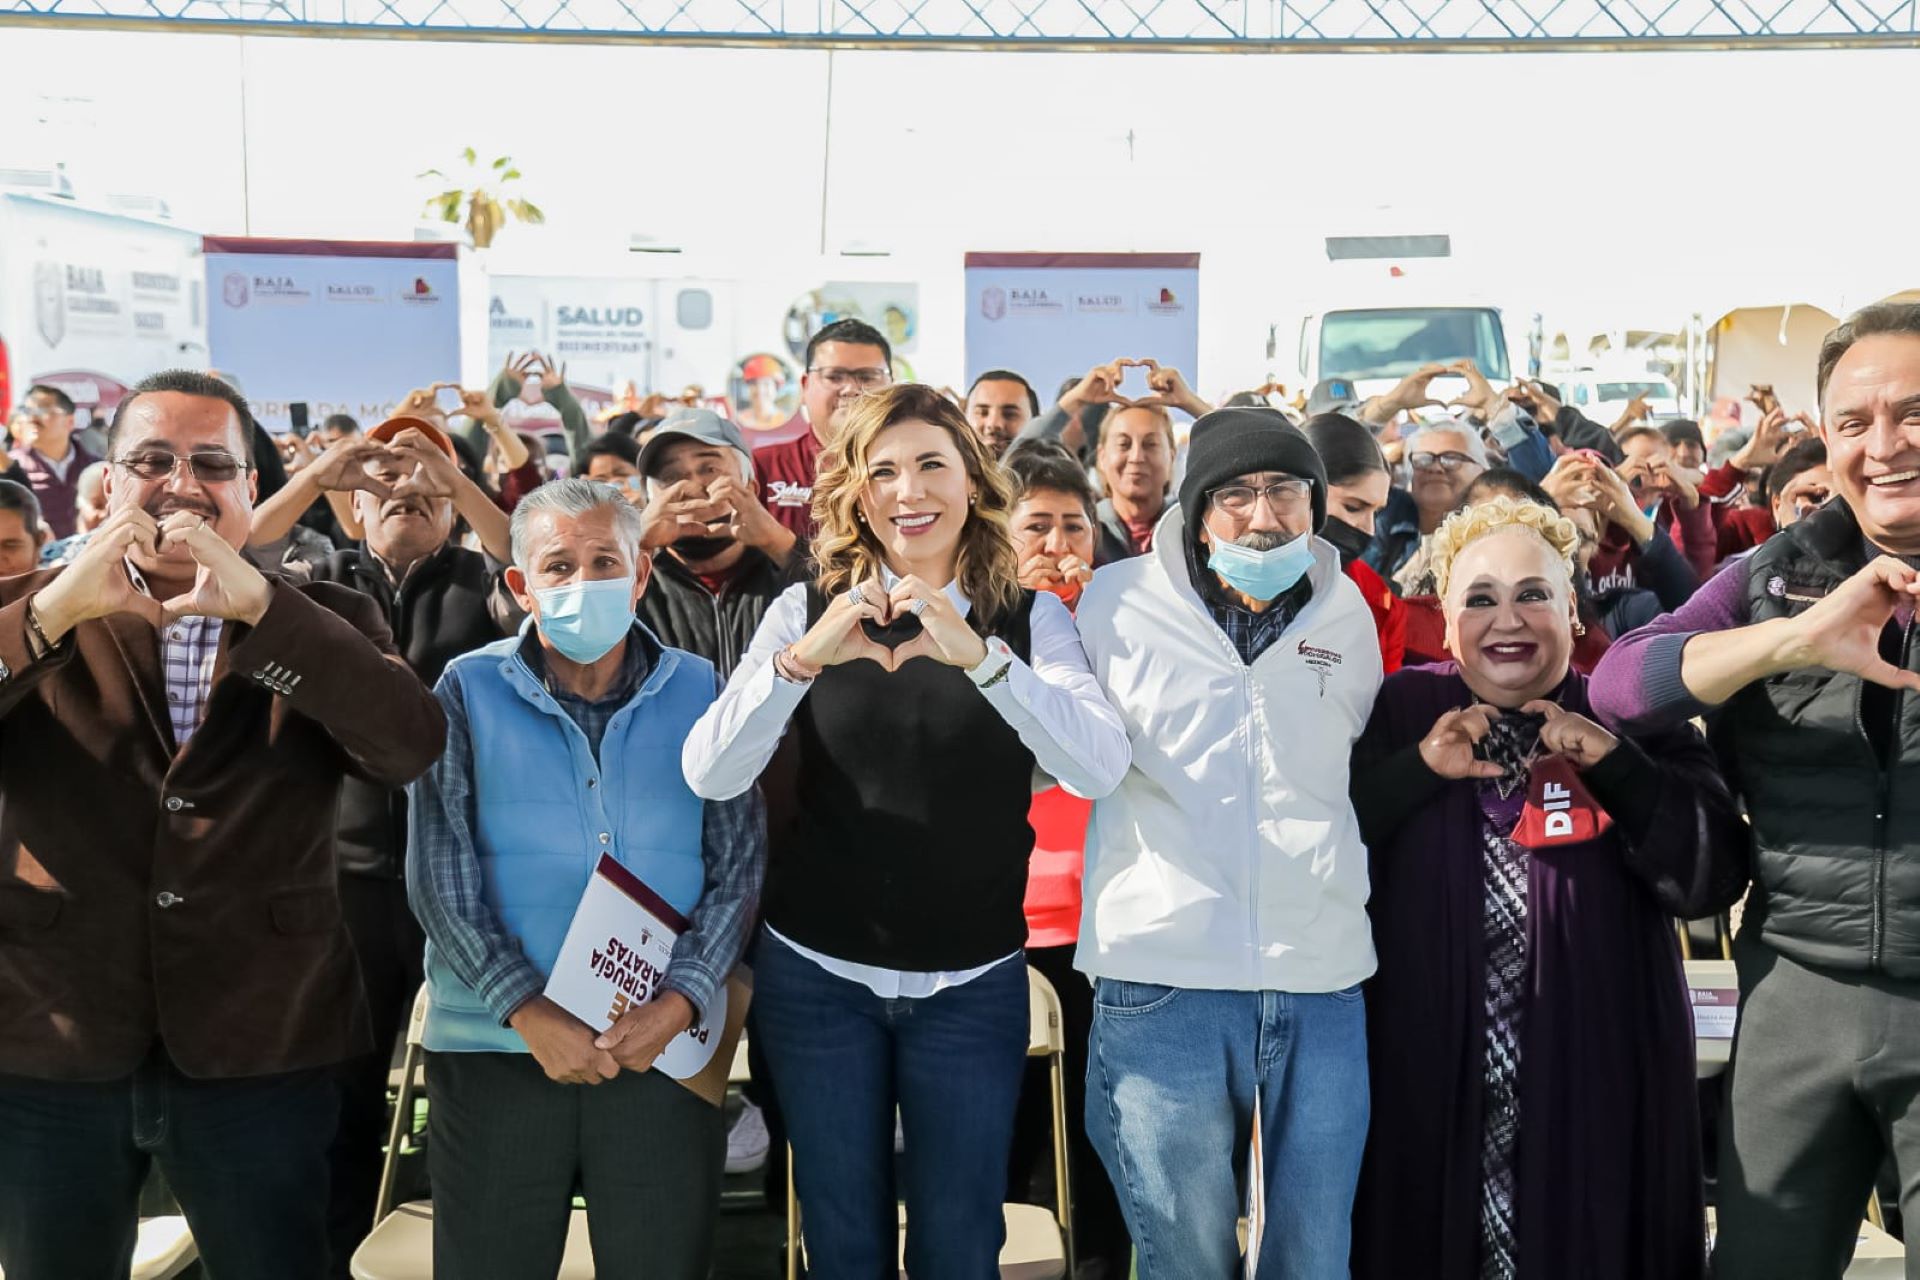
point(917, 608)
point(854, 597)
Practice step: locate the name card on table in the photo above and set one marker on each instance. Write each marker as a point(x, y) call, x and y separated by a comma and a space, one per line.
point(1714, 990)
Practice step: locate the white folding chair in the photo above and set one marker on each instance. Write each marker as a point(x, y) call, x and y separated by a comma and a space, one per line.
point(400, 1246)
point(165, 1248)
point(1039, 1243)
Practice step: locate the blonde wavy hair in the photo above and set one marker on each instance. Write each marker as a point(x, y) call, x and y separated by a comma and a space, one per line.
point(1469, 524)
point(846, 551)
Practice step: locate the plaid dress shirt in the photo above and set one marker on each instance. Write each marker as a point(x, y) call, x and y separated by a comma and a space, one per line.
point(188, 650)
point(445, 881)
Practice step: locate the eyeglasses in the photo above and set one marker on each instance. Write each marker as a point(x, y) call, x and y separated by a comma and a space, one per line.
point(209, 466)
point(40, 411)
point(1239, 500)
point(1448, 461)
point(865, 379)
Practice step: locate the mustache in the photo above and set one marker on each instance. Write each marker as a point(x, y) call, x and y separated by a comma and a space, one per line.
point(1262, 539)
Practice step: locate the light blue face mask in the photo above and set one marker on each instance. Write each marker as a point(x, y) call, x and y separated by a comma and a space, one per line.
point(1262, 575)
point(583, 620)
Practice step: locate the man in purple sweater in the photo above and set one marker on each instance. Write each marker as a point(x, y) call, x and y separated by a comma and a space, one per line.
point(1802, 657)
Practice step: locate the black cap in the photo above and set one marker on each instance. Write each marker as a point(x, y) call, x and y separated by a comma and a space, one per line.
point(1237, 442)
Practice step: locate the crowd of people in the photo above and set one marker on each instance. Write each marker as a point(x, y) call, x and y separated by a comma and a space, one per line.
point(1339, 765)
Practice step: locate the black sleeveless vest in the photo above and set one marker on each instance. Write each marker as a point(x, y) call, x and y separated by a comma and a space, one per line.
point(910, 843)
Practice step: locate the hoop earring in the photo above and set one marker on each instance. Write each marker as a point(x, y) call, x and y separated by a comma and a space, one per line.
point(1579, 628)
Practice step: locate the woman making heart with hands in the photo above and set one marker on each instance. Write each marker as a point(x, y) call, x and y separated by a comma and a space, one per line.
point(1528, 1018)
point(902, 875)
point(889, 626)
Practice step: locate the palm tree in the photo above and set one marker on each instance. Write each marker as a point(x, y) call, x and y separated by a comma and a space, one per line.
point(480, 198)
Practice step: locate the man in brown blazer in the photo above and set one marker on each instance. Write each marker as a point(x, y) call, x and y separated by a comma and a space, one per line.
point(175, 979)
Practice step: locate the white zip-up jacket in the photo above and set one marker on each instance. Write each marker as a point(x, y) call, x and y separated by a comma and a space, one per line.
point(1229, 858)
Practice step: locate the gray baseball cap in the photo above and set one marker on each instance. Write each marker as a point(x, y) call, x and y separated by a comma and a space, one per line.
point(1332, 395)
point(703, 425)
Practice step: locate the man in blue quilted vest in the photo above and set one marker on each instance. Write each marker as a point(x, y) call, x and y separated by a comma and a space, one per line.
point(563, 744)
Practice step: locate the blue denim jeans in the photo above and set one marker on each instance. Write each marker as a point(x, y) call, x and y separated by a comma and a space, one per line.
point(247, 1160)
point(842, 1059)
point(1172, 1079)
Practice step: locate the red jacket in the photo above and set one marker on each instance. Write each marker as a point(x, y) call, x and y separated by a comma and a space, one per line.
point(1695, 533)
point(1738, 525)
point(1389, 614)
point(1054, 870)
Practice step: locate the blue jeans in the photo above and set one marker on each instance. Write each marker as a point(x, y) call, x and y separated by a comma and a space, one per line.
point(842, 1058)
point(1172, 1075)
point(247, 1159)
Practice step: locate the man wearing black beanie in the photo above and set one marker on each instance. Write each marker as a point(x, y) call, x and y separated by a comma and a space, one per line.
point(1226, 883)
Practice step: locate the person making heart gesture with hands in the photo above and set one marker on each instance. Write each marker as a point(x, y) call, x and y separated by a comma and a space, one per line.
point(905, 873)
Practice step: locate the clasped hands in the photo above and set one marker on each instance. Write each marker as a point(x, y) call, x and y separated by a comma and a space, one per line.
point(570, 1053)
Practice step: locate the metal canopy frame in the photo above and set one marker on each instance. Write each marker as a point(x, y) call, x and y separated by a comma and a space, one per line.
point(1226, 26)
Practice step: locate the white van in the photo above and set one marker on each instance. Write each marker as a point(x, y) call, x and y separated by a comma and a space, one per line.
point(1603, 395)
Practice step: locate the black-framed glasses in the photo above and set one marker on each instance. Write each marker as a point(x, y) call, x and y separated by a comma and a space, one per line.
point(1240, 500)
point(209, 466)
point(1448, 461)
point(865, 379)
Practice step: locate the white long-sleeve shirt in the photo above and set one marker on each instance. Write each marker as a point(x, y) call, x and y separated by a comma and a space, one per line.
point(1053, 704)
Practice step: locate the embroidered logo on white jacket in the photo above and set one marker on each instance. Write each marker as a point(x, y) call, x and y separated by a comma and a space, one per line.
point(1323, 662)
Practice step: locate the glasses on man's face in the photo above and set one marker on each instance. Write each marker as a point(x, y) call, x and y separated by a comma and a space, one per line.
point(41, 411)
point(865, 379)
point(209, 466)
point(1448, 461)
point(1284, 497)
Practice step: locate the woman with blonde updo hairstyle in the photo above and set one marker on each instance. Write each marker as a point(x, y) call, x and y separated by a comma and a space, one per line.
point(919, 687)
point(1529, 1036)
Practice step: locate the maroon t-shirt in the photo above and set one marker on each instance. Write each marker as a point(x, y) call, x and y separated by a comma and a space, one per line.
point(785, 473)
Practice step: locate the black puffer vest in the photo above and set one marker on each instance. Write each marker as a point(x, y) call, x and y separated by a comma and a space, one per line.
point(1830, 770)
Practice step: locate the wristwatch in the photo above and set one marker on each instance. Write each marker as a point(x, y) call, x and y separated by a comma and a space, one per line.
point(994, 668)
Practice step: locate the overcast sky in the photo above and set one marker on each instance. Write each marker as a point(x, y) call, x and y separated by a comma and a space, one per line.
point(1557, 175)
